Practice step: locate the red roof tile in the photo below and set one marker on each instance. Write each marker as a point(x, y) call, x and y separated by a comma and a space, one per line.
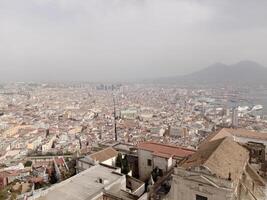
point(165, 149)
point(104, 154)
point(60, 161)
point(163, 155)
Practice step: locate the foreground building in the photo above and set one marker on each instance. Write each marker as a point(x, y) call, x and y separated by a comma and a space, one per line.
point(152, 155)
point(255, 142)
point(97, 182)
point(239, 135)
point(219, 170)
point(106, 156)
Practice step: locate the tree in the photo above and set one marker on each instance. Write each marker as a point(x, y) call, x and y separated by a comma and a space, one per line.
point(53, 177)
point(122, 163)
point(13, 196)
point(28, 163)
point(3, 194)
point(118, 162)
point(156, 173)
point(125, 165)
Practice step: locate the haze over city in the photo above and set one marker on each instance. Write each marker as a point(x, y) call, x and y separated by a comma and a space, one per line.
point(118, 40)
point(133, 100)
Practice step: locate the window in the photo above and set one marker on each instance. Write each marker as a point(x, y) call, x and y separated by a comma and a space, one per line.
point(149, 162)
point(199, 197)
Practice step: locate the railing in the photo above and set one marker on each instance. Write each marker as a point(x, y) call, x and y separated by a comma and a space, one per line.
point(156, 186)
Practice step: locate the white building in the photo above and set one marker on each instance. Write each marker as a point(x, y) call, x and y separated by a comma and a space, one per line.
point(235, 117)
point(128, 114)
point(106, 156)
point(96, 183)
point(152, 155)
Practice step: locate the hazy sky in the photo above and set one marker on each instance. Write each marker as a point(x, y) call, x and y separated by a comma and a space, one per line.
point(96, 40)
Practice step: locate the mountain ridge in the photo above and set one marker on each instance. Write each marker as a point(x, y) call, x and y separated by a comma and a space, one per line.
point(242, 73)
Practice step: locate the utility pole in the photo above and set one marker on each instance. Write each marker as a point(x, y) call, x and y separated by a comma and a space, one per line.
point(115, 122)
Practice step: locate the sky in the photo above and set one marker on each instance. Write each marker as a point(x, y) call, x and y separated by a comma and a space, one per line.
point(120, 40)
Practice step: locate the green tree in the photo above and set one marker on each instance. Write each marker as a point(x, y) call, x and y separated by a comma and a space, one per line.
point(13, 196)
point(118, 162)
point(125, 169)
point(28, 163)
point(3, 194)
point(53, 177)
point(156, 173)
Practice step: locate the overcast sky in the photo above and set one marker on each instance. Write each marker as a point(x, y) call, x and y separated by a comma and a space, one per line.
point(98, 40)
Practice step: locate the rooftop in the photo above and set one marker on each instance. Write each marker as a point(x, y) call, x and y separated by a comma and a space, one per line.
point(246, 133)
point(229, 132)
point(221, 157)
point(84, 185)
point(166, 150)
point(104, 154)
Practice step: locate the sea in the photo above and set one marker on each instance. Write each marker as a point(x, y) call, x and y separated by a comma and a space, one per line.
point(259, 97)
point(253, 97)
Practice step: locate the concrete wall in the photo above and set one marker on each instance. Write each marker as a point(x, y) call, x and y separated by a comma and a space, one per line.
point(110, 162)
point(187, 184)
point(246, 140)
point(164, 164)
point(144, 197)
point(183, 189)
point(161, 163)
point(82, 166)
point(170, 163)
point(144, 169)
point(137, 186)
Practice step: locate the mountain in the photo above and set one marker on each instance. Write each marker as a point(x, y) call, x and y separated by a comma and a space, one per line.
point(242, 73)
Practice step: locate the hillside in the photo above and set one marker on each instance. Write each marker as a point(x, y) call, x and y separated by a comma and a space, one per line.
point(241, 73)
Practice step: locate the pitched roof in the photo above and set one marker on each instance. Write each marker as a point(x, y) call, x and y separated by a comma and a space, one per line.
point(229, 132)
point(202, 155)
point(104, 154)
point(164, 149)
point(246, 133)
point(220, 157)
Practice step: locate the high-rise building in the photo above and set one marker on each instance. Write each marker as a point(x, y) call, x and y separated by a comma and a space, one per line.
point(235, 118)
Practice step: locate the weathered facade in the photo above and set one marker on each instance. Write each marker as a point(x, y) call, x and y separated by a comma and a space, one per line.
point(219, 170)
point(152, 155)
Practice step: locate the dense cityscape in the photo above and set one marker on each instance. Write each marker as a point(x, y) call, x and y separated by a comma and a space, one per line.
point(133, 100)
point(148, 135)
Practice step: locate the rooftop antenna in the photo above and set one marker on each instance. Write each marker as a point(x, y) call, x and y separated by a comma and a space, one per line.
point(115, 123)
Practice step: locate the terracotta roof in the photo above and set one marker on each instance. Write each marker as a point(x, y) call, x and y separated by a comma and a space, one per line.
point(220, 157)
point(12, 173)
point(229, 132)
point(202, 155)
point(160, 149)
point(246, 133)
point(4, 174)
point(163, 155)
point(104, 154)
point(213, 136)
point(36, 179)
point(60, 161)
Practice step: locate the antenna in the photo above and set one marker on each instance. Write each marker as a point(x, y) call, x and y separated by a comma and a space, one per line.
point(115, 123)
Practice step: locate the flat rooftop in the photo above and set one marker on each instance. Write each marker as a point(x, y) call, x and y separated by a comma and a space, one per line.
point(84, 185)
